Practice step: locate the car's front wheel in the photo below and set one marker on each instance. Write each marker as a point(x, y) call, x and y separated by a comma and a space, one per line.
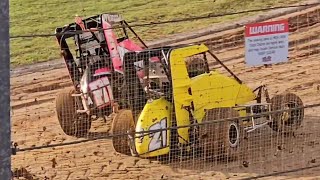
point(71, 122)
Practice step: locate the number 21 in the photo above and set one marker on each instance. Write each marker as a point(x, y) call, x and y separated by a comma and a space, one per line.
point(158, 139)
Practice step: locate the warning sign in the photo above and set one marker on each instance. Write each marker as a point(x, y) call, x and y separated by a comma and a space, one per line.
point(266, 43)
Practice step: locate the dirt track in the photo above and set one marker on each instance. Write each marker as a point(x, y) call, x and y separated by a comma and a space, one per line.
point(34, 121)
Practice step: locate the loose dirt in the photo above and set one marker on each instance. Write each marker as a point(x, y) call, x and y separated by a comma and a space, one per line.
point(34, 122)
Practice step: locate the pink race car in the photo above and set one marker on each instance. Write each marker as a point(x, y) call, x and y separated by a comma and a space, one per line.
point(93, 50)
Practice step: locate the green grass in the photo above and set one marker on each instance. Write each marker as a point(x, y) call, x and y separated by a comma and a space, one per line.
point(43, 16)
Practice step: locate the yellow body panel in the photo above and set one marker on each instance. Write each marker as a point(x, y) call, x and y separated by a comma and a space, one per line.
point(208, 90)
point(155, 115)
point(214, 90)
point(180, 84)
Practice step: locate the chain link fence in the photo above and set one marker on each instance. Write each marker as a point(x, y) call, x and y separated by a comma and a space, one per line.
point(120, 110)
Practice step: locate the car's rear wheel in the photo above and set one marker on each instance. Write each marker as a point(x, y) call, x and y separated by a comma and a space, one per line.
point(71, 122)
point(221, 140)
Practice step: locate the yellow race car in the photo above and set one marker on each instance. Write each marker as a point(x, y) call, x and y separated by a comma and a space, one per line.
point(180, 107)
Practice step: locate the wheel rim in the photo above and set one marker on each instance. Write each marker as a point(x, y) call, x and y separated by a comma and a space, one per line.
point(233, 132)
point(286, 115)
point(290, 117)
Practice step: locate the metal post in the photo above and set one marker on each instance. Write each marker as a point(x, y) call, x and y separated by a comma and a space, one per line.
point(5, 129)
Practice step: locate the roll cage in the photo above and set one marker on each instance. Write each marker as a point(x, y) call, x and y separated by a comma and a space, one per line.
point(91, 43)
point(147, 91)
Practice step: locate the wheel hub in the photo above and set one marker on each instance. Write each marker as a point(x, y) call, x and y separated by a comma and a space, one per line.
point(233, 132)
point(285, 115)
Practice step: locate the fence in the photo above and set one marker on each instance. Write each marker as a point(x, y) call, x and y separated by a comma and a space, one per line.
point(181, 112)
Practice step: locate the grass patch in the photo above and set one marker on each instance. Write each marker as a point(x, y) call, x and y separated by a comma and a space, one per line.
point(43, 16)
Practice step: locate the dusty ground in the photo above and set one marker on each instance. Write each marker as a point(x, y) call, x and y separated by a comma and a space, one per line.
point(34, 122)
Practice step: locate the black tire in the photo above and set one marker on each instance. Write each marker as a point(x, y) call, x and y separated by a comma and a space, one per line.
point(221, 140)
point(286, 122)
point(72, 123)
point(122, 124)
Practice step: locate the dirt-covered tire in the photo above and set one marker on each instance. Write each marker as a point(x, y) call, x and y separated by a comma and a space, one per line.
point(286, 122)
point(122, 124)
point(72, 123)
point(221, 140)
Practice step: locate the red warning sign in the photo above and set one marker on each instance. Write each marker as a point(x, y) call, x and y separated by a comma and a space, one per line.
point(267, 42)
